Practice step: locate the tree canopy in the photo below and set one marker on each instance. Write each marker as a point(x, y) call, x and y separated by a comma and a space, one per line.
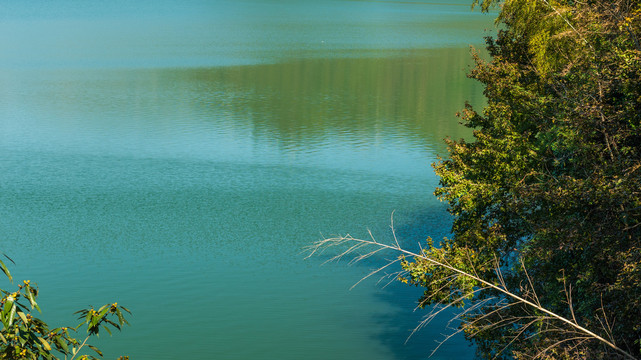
point(547, 198)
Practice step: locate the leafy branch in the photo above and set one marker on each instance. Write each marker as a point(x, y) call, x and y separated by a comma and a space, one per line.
point(24, 336)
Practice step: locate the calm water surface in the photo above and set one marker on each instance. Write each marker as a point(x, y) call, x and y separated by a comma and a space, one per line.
point(177, 156)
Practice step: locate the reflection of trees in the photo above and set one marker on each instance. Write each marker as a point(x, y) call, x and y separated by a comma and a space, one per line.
point(313, 98)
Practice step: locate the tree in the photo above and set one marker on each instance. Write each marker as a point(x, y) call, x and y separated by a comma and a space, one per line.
point(547, 198)
point(24, 336)
point(553, 178)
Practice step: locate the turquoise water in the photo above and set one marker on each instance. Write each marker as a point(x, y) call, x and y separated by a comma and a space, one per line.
point(177, 157)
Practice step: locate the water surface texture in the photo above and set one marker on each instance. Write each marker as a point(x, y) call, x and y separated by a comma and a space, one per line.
point(176, 156)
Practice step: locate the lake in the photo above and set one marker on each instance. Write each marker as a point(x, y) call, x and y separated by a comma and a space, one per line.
point(177, 156)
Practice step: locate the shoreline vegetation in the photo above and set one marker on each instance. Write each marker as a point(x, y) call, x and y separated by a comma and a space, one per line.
point(544, 260)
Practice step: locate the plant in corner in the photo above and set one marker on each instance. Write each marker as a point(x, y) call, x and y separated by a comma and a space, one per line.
point(25, 336)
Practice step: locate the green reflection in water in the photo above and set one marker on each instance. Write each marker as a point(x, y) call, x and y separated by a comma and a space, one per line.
point(260, 113)
point(308, 99)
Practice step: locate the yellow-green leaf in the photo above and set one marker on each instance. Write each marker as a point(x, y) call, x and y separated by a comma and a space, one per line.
point(45, 344)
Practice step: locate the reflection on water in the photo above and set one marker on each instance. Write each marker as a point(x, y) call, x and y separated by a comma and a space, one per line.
point(177, 156)
point(299, 111)
point(306, 99)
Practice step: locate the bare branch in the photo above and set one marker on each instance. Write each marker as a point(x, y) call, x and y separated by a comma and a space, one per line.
point(319, 246)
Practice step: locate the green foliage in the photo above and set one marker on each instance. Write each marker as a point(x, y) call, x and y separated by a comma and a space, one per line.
point(24, 336)
point(553, 178)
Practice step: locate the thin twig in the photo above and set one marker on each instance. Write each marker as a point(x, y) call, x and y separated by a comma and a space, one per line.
point(536, 298)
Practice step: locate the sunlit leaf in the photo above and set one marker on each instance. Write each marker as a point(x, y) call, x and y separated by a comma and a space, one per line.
point(23, 317)
point(45, 344)
point(12, 314)
point(31, 298)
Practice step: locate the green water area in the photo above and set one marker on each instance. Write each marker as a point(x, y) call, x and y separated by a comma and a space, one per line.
point(177, 156)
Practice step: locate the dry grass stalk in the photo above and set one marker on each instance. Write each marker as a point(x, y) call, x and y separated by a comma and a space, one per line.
point(577, 333)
